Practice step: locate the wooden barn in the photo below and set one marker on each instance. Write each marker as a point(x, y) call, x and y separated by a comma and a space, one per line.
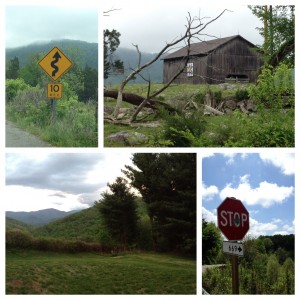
point(215, 61)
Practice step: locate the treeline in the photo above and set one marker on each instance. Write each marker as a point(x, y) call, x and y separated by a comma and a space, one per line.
point(267, 266)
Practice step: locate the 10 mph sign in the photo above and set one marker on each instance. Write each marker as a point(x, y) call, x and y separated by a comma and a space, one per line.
point(233, 219)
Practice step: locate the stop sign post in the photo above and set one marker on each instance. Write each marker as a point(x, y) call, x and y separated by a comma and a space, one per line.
point(233, 221)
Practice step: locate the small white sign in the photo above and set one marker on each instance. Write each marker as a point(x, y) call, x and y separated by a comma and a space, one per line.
point(233, 248)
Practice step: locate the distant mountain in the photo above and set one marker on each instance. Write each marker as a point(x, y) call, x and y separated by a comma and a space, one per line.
point(39, 217)
point(130, 58)
point(84, 53)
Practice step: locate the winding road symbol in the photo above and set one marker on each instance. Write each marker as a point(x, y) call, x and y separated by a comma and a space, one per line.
point(55, 63)
point(56, 57)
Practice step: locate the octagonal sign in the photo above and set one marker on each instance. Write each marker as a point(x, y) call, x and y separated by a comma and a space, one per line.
point(233, 219)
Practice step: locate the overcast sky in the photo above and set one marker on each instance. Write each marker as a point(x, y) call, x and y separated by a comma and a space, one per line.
point(265, 183)
point(150, 24)
point(32, 23)
point(64, 181)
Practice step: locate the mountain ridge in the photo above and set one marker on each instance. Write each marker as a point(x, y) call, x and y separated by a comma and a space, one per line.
point(39, 217)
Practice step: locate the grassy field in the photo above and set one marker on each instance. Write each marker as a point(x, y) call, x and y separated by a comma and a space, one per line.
point(33, 272)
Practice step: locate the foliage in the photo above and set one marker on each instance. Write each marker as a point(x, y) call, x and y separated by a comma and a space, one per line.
point(75, 123)
point(118, 212)
point(241, 94)
point(193, 123)
point(211, 242)
point(264, 268)
point(110, 44)
point(12, 68)
point(70, 227)
point(12, 87)
point(280, 28)
point(170, 197)
point(272, 85)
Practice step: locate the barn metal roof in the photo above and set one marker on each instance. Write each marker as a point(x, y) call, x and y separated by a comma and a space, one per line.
point(204, 47)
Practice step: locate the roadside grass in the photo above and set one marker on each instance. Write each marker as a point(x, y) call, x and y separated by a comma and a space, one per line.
point(35, 272)
point(75, 124)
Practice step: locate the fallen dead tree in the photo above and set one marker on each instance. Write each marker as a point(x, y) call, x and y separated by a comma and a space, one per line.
point(137, 100)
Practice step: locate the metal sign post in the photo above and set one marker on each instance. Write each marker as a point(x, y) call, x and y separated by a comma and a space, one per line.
point(233, 221)
point(53, 105)
point(235, 275)
point(55, 64)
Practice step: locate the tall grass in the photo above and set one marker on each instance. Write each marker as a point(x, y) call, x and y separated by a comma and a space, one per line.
point(75, 124)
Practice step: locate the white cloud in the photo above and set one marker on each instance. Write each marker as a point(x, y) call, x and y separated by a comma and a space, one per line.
point(266, 194)
point(257, 228)
point(244, 155)
point(31, 199)
point(209, 216)
point(230, 157)
point(208, 192)
point(284, 161)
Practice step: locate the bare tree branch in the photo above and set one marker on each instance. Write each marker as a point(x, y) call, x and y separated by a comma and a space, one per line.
point(192, 30)
point(107, 13)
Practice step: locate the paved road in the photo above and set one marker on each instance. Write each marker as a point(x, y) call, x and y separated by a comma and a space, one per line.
point(16, 137)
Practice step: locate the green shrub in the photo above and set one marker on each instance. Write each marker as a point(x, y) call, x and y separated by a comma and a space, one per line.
point(13, 86)
point(18, 239)
point(218, 96)
point(272, 85)
point(177, 125)
point(241, 95)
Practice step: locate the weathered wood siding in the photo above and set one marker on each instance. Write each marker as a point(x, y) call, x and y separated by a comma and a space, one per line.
point(233, 58)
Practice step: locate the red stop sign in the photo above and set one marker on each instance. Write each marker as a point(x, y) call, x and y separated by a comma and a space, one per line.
point(233, 219)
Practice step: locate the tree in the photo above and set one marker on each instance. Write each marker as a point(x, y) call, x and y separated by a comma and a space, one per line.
point(111, 43)
point(118, 211)
point(12, 68)
point(278, 32)
point(90, 84)
point(211, 242)
point(31, 72)
point(167, 183)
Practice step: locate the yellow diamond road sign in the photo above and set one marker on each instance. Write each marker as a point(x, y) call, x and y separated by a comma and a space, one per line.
point(55, 63)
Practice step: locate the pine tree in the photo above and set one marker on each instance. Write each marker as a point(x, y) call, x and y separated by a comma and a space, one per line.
point(167, 183)
point(118, 211)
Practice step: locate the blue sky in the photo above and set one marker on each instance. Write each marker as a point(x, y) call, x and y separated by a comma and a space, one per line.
point(264, 182)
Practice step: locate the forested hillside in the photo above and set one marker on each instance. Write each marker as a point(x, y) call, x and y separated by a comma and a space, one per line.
point(86, 54)
point(39, 217)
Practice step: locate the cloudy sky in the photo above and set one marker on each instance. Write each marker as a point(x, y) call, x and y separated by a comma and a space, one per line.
point(263, 182)
point(150, 24)
point(64, 181)
point(33, 23)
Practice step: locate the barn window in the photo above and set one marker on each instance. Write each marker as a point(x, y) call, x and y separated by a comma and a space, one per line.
point(190, 69)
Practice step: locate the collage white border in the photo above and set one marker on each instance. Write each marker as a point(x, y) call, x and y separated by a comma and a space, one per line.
point(200, 151)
